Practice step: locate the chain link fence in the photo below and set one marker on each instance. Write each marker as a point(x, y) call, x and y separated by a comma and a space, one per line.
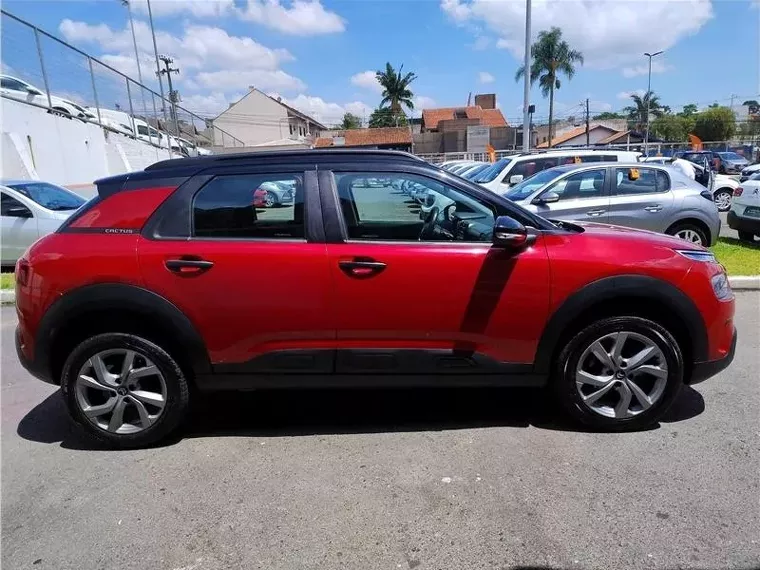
point(42, 70)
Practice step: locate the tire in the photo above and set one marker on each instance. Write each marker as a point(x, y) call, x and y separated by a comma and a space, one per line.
point(689, 232)
point(270, 200)
point(174, 390)
point(722, 199)
point(571, 398)
point(747, 236)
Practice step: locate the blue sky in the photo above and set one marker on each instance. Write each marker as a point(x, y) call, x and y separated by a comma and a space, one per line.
point(316, 55)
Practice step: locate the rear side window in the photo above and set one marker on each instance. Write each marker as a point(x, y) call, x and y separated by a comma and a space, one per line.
point(250, 206)
point(650, 181)
point(530, 166)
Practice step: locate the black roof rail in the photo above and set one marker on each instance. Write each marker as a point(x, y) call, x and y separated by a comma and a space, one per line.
point(309, 154)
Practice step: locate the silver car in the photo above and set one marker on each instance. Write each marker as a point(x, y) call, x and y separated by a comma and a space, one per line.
point(647, 197)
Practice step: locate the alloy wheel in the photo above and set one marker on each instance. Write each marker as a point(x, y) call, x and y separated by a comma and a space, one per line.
point(270, 200)
point(723, 201)
point(690, 235)
point(621, 375)
point(121, 391)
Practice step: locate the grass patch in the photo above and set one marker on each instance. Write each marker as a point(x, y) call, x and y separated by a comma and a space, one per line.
point(739, 257)
point(7, 280)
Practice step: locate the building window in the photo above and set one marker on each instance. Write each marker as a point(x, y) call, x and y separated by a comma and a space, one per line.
point(291, 129)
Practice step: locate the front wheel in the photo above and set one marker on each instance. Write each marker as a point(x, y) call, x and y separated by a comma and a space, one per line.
point(619, 373)
point(124, 390)
point(723, 200)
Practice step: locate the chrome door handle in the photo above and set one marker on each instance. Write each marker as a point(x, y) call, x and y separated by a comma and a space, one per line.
point(597, 212)
point(655, 208)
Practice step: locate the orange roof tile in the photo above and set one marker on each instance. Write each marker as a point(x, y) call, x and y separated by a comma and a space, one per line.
point(488, 117)
point(571, 134)
point(370, 137)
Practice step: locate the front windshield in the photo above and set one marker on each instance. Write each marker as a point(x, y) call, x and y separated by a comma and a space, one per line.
point(490, 173)
point(471, 174)
point(49, 196)
point(527, 187)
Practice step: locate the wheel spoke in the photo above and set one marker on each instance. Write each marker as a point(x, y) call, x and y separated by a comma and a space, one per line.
point(145, 420)
point(656, 371)
point(641, 357)
point(117, 419)
point(617, 348)
point(90, 382)
point(639, 394)
point(101, 372)
point(591, 379)
point(621, 410)
point(101, 409)
point(594, 396)
point(151, 398)
point(598, 350)
point(142, 372)
point(126, 366)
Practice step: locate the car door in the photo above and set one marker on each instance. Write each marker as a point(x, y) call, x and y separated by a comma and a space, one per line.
point(583, 197)
point(428, 295)
point(19, 227)
point(251, 278)
point(641, 198)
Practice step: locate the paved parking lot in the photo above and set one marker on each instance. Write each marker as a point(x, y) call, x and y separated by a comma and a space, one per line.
point(389, 479)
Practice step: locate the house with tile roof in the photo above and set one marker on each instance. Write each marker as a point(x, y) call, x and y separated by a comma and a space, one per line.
point(483, 114)
point(389, 138)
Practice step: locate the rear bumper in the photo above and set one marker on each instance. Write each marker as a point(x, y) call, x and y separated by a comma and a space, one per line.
point(704, 370)
point(742, 224)
point(31, 366)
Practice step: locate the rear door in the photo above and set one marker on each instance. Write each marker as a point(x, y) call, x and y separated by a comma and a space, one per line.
point(18, 226)
point(427, 295)
point(641, 198)
point(583, 197)
point(253, 279)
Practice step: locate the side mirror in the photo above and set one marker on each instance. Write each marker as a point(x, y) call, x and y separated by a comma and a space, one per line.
point(516, 179)
point(18, 212)
point(511, 234)
point(547, 198)
point(33, 91)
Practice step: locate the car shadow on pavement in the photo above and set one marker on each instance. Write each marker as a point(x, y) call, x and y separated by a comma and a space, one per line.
point(308, 412)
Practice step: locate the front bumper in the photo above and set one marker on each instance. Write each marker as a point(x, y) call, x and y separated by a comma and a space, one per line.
point(704, 370)
point(743, 224)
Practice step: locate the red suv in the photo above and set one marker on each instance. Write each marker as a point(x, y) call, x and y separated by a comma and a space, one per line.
point(178, 279)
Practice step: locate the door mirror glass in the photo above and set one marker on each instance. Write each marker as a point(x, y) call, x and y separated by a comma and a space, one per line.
point(516, 179)
point(18, 212)
point(547, 198)
point(511, 234)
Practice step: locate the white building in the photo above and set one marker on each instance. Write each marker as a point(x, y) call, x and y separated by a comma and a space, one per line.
point(258, 119)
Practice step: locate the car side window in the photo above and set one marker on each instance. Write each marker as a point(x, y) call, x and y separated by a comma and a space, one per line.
point(586, 184)
point(407, 207)
point(10, 207)
point(11, 84)
point(254, 206)
point(649, 181)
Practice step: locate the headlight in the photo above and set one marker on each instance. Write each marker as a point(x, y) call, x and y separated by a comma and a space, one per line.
point(697, 255)
point(720, 286)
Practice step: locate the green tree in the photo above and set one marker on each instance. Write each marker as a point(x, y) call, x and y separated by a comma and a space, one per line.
point(672, 128)
point(350, 121)
point(396, 92)
point(551, 57)
point(607, 115)
point(689, 110)
point(637, 113)
point(715, 124)
point(385, 117)
point(754, 106)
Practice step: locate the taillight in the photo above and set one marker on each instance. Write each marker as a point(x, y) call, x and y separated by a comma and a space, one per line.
point(22, 272)
point(259, 198)
point(738, 191)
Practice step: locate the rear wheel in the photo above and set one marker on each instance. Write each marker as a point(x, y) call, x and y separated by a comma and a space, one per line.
point(747, 236)
point(270, 200)
point(124, 389)
point(723, 200)
point(689, 232)
point(619, 373)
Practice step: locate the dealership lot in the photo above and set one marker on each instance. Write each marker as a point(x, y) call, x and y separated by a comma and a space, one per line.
point(389, 479)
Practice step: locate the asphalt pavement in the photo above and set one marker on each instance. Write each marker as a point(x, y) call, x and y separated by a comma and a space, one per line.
point(421, 479)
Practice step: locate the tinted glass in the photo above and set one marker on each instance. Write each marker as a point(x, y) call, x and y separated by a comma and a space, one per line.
point(650, 181)
point(527, 187)
point(405, 207)
point(49, 196)
point(490, 173)
point(586, 184)
point(7, 203)
point(8, 83)
point(472, 174)
point(530, 166)
point(250, 206)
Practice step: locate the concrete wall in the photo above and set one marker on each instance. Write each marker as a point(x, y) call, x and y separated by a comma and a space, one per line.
point(455, 140)
point(40, 146)
point(255, 119)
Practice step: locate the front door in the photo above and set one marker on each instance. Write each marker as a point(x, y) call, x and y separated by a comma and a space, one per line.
point(420, 289)
point(583, 197)
point(641, 198)
point(255, 289)
point(19, 228)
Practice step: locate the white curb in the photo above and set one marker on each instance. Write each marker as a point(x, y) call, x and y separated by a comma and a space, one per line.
point(751, 283)
point(7, 296)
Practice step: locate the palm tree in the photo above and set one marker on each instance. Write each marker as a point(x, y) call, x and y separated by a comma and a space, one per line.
point(396, 91)
point(551, 57)
point(637, 113)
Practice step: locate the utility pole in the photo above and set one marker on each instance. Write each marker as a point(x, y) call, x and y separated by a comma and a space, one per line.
point(134, 38)
point(587, 129)
point(649, 97)
point(158, 67)
point(526, 88)
point(173, 95)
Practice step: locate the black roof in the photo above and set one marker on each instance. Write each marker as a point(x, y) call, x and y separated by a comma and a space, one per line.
point(279, 155)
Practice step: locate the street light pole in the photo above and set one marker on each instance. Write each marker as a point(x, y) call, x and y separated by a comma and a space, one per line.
point(158, 66)
point(649, 97)
point(134, 38)
point(526, 77)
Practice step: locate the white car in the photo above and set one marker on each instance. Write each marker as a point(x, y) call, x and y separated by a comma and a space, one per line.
point(744, 216)
point(31, 209)
point(15, 88)
point(749, 171)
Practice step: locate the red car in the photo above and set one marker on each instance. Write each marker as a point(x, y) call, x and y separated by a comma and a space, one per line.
point(172, 278)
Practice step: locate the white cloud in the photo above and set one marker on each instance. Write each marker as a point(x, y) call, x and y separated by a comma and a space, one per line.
point(485, 77)
point(209, 105)
point(198, 8)
point(626, 95)
point(608, 33)
point(302, 18)
point(261, 79)
point(325, 112)
point(367, 80)
point(483, 43)
point(643, 69)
